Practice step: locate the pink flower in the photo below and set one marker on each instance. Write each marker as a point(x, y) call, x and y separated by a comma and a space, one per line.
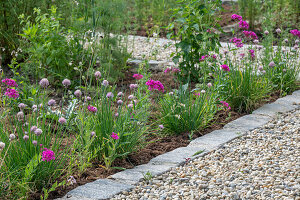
point(251, 51)
point(209, 85)
point(66, 82)
point(11, 93)
point(225, 104)
point(97, 75)
point(203, 58)
point(22, 105)
point(105, 83)
point(137, 76)
point(10, 82)
point(114, 136)
point(214, 56)
point(92, 109)
point(278, 31)
point(272, 64)
point(109, 95)
point(176, 70)
point(62, 120)
point(51, 102)
point(133, 86)
point(295, 32)
point(225, 68)
point(44, 83)
point(238, 17)
point(48, 155)
point(155, 85)
point(243, 24)
point(161, 126)
point(78, 93)
point(237, 41)
point(250, 34)
point(167, 70)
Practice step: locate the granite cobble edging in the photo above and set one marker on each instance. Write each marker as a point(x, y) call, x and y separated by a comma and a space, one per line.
point(125, 180)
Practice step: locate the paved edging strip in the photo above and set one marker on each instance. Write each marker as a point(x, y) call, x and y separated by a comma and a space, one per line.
point(125, 180)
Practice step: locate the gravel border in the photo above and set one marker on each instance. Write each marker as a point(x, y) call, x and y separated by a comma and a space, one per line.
point(127, 179)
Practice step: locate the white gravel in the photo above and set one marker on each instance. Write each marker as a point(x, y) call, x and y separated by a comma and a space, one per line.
point(263, 164)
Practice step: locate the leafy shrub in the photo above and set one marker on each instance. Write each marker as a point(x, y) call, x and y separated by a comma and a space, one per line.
point(183, 111)
point(196, 22)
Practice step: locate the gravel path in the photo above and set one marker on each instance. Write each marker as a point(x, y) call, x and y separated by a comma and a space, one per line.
point(263, 164)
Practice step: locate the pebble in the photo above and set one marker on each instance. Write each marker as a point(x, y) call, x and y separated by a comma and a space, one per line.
point(263, 164)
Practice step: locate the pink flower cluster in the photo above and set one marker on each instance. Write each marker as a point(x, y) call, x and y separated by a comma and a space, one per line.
point(114, 136)
point(155, 85)
point(238, 17)
point(48, 155)
point(11, 93)
point(250, 34)
point(173, 69)
point(92, 109)
point(251, 51)
point(243, 25)
point(203, 58)
point(237, 42)
point(10, 82)
point(225, 68)
point(295, 32)
point(225, 104)
point(137, 76)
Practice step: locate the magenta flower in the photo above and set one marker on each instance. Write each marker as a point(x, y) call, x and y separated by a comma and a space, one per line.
point(214, 56)
point(176, 70)
point(250, 34)
point(137, 76)
point(11, 93)
point(114, 136)
point(237, 42)
point(10, 82)
point(167, 70)
point(48, 155)
point(243, 24)
point(92, 109)
point(295, 32)
point(238, 17)
point(203, 58)
point(225, 68)
point(225, 104)
point(251, 51)
point(155, 85)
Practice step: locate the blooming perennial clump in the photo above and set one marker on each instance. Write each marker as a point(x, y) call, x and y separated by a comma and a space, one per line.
point(10, 82)
point(225, 68)
point(225, 104)
point(114, 136)
point(155, 85)
point(237, 42)
point(250, 34)
point(243, 24)
point(137, 76)
point(92, 109)
point(203, 58)
point(12, 93)
point(48, 155)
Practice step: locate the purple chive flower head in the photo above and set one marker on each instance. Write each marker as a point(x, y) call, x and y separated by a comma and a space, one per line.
point(78, 93)
point(130, 97)
point(286, 40)
point(93, 134)
point(243, 24)
point(62, 120)
point(209, 85)
point(133, 86)
point(97, 75)
point(137, 76)
point(92, 109)
point(12, 137)
point(71, 180)
point(255, 41)
point(119, 102)
point(34, 142)
point(33, 128)
point(260, 68)
point(225, 68)
point(238, 17)
point(155, 85)
point(10, 82)
point(109, 95)
point(130, 105)
point(105, 83)
point(120, 94)
point(272, 64)
point(2, 146)
point(25, 137)
point(38, 131)
point(278, 31)
point(51, 102)
point(44, 83)
point(266, 32)
point(20, 116)
point(114, 136)
point(117, 114)
point(22, 105)
point(48, 155)
point(161, 126)
point(11, 93)
point(88, 98)
point(66, 83)
point(171, 93)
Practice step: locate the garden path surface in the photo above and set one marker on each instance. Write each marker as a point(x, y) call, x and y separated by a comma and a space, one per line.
point(262, 164)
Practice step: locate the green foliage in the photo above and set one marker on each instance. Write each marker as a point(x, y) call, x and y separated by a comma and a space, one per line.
point(185, 111)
